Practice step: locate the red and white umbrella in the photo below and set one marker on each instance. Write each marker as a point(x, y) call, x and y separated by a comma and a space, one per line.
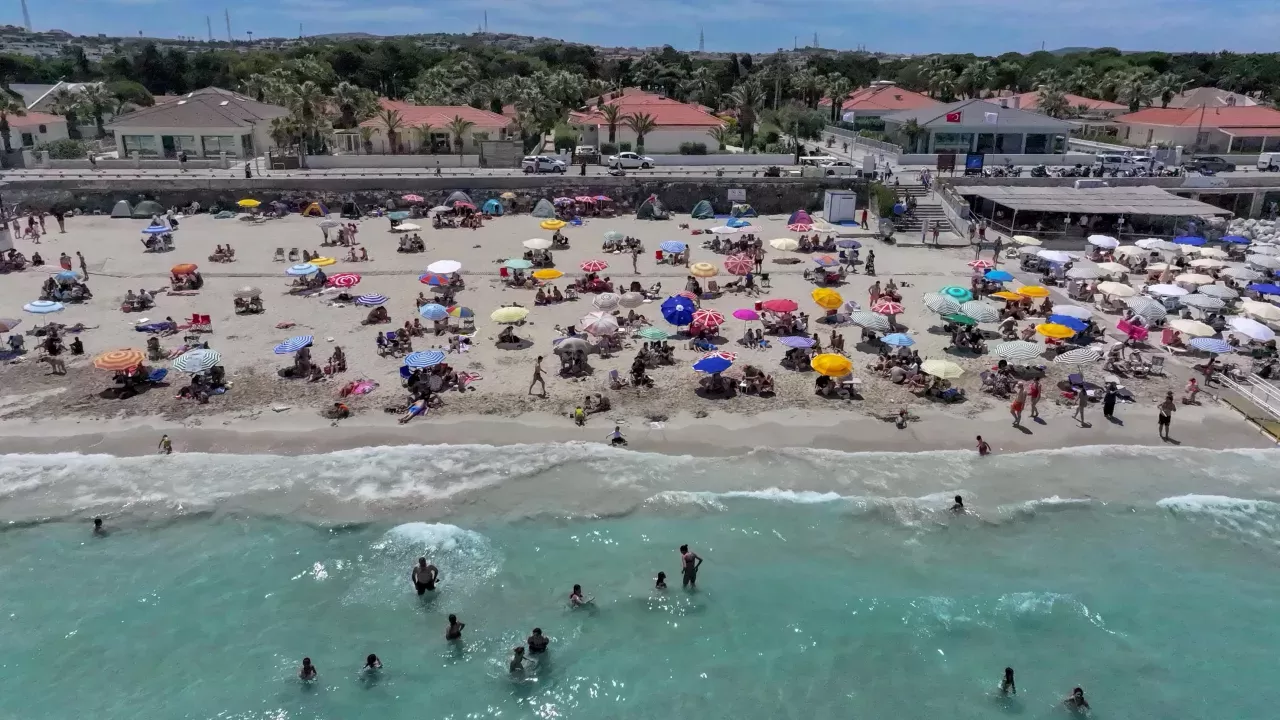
point(708, 318)
point(723, 355)
point(594, 266)
point(739, 264)
point(585, 199)
point(599, 323)
point(800, 227)
point(687, 295)
point(887, 307)
point(344, 280)
point(981, 264)
point(411, 198)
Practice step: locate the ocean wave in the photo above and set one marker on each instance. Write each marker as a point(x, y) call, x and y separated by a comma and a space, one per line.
point(1253, 519)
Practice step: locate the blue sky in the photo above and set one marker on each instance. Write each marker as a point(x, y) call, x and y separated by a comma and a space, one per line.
point(913, 26)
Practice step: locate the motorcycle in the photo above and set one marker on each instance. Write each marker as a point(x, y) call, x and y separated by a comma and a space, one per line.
point(1039, 171)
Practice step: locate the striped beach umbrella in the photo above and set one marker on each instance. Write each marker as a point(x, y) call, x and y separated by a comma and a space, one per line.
point(898, 340)
point(980, 311)
point(826, 261)
point(1222, 292)
point(344, 280)
point(703, 270)
point(117, 360)
point(197, 361)
point(1080, 356)
point(738, 264)
point(43, 307)
point(1210, 345)
point(631, 300)
point(653, 333)
point(941, 304)
point(796, 341)
point(687, 295)
point(8, 324)
point(1019, 351)
point(599, 323)
point(981, 264)
point(708, 318)
point(592, 266)
point(1203, 302)
point(433, 312)
point(870, 320)
point(1150, 310)
point(887, 307)
point(293, 344)
point(433, 279)
point(672, 246)
point(424, 358)
point(460, 311)
point(301, 269)
point(605, 301)
point(798, 227)
point(372, 300)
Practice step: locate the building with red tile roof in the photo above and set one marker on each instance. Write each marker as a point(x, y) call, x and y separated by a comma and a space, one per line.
point(438, 117)
point(1092, 107)
point(677, 122)
point(1226, 129)
point(880, 99)
point(36, 128)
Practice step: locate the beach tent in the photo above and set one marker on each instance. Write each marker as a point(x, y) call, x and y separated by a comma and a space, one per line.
point(742, 210)
point(651, 209)
point(493, 207)
point(703, 211)
point(351, 210)
point(799, 217)
point(147, 208)
point(122, 209)
point(544, 209)
point(737, 223)
point(457, 197)
point(315, 209)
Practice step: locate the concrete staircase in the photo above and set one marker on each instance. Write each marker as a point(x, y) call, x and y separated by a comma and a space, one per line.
point(927, 211)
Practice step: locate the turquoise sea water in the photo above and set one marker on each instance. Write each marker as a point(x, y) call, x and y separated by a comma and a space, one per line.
point(201, 601)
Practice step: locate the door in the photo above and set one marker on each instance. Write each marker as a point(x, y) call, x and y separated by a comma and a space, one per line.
point(169, 146)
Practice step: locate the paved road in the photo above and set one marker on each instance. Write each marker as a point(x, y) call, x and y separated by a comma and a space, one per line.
point(592, 171)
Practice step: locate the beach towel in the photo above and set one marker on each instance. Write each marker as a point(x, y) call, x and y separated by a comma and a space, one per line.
point(468, 378)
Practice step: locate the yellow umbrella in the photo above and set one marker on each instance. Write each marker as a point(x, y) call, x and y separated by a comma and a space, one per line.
point(1055, 331)
point(119, 359)
point(1026, 240)
point(249, 203)
point(1194, 328)
point(1033, 291)
point(552, 224)
point(323, 261)
point(784, 244)
point(547, 274)
point(1006, 295)
point(831, 365)
point(508, 315)
point(508, 196)
point(1116, 289)
point(703, 270)
point(827, 298)
point(944, 369)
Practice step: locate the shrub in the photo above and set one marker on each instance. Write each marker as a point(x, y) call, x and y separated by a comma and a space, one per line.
point(693, 148)
point(884, 199)
point(608, 149)
point(565, 143)
point(65, 149)
point(624, 147)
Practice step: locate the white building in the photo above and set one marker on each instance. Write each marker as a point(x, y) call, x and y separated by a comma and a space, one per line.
point(35, 129)
point(204, 123)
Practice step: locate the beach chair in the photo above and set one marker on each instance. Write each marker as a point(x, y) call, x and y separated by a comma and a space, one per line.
point(616, 381)
point(293, 255)
point(657, 256)
point(1157, 365)
point(764, 281)
point(713, 290)
point(279, 256)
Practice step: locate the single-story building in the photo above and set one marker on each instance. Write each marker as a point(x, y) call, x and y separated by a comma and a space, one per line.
point(1224, 129)
point(1080, 105)
point(979, 126)
point(1210, 97)
point(866, 107)
point(677, 122)
point(38, 97)
point(204, 123)
point(485, 125)
point(36, 128)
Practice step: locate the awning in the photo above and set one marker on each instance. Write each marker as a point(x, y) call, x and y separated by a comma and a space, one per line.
point(1252, 132)
point(1093, 201)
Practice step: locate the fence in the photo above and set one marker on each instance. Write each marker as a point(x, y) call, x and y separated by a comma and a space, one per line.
point(866, 142)
point(429, 162)
point(1257, 391)
point(954, 207)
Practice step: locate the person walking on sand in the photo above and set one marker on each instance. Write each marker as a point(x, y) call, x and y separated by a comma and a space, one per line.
point(537, 377)
point(166, 445)
point(1082, 401)
point(635, 259)
point(1167, 408)
point(1015, 408)
point(864, 224)
point(1109, 401)
point(1033, 396)
point(84, 267)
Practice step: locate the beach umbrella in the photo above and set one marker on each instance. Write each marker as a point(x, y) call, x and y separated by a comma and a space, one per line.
point(1033, 291)
point(706, 318)
point(301, 269)
point(344, 280)
point(1025, 240)
point(43, 307)
point(724, 230)
point(800, 227)
point(1157, 245)
point(433, 312)
point(1054, 256)
point(780, 305)
point(1151, 310)
point(957, 293)
point(411, 198)
point(118, 360)
point(599, 323)
point(1113, 268)
point(614, 236)
point(424, 358)
point(784, 244)
point(1085, 273)
point(998, 275)
point(739, 264)
point(293, 344)
point(1193, 279)
point(509, 315)
point(1073, 311)
point(1055, 331)
point(898, 340)
point(440, 209)
point(1195, 328)
point(673, 246)
point(677, 310)
point(1191, 240)
point(631, 300)
point(434, 279)
point(746, 314)
point(1263, 261)
point(398, 215)
point(407, 227)
point(552, 224)
point(8, 324)
point(1235, 240)
point(562, 201)
point(323, 261)
point(714, 363)
point(1265, 288)
point(1252, 328)
point(372, 300)
point(1018, 351)
point(1080, 356)
point(653, 333)
point(960, 319)
point(1168, 290)
point(848, 244)
point(870, 320)
point(460, 311)
point(703, 270)
point(603, 198)
point(157, 229)
point(537, 244)
point(517, 264)
point(572, 344)
point(688, 296)
point(1264, 311)
point(1104, 241)
point(1242, 274)
point(826, 298)
point(249, 203)
point(980, 311)
point(248, 292)
point(944, 369)
point(444, 267)
point(605, 301)
point(592, 266)
point(1221, 292)
point(197, 361)
point(796, 341)
point(850, 306)
point(887, 307)
point(826, 261)
point(981, 264)
point(831, 365)
point(1203, 302)
point(1075, 324)
point(1116, 289)
point(67, 276)
point(548, 274)
point(1160, 267)
point(1209, 252)
point(1266, 250)
point(941, 304)
point(1210, 345)
point(1007, 295)
point(329, 224)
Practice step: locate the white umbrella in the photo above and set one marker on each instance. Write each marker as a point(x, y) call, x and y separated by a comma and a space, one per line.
point(1210, 263)
point(1085, 273)
point(247, 292)
point(1114, 268)
point(941, 304)
point(1074, 311)
point(1263, 261)
point(1242, 273)
point(1222, 292)
point(1265, 250)
point(1210, 252)
point(1019, 351)
point(440, 209)
point(1104, 241)
point(599, 323)
point(1160, 267)
point(1028, 250)
point(1265, 311)
point(631, 300)
point(1130, 250)
point(1080, 356)
point(1194, 279)
point(1116, 289)
point(1194, 328)
point(980, 311)
point(784, 244)
point(724, 230)
point(1158, 245)
point(444, 267)
point(1056, 256)
point(329, 224)
point(406, 227)
point(606, 301)
point(1168, 290)
point(537, 244)
point(1025, 240)
point(1203, 302)
point(1254, 329)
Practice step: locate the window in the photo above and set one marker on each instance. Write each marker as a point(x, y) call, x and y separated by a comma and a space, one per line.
point(220, 143)
point(1037, 144)
point(144, 145)
point(43, 130)
point(28, 140)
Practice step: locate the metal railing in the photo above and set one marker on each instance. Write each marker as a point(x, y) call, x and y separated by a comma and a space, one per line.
point(1257, 391)
point(866, 142)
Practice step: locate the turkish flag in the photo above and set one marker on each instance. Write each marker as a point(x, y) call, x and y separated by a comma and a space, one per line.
point(953, 117)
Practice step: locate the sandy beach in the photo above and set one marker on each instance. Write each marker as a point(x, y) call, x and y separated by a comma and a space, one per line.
point(40, 411)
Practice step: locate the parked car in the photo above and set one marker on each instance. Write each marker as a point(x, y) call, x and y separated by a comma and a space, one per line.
point(630, 160)
point(1121, 163)
point(541, 164)
point(1146, 162)
point(1269, 162)
point(1212, 163)
point(843, 168)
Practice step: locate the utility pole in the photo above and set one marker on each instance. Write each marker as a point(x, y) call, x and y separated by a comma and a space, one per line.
point(702, 40)
point(227, 14)
point(26, 16)
point(208, 24)
point(815, 40)
point(486, 22)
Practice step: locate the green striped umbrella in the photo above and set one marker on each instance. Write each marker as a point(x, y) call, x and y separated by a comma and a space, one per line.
point(653, 333)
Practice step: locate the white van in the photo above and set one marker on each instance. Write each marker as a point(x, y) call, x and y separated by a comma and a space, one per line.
point(1115, 162)
point(1269, 161)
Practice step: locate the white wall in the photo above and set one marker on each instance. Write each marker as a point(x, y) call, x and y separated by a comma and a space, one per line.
point(324, 162)
point(53, 131)
point(664, 140)
point(726, 159)
point(993, 160)
point(408, 139)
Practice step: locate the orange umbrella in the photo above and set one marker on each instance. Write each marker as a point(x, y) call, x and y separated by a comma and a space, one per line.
point(1006, 295)
point(119, 359)
point(1033, 291)
point(183, 269)
point(1055, 331)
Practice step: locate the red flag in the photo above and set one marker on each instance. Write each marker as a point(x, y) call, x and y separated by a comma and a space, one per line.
point(953, 117)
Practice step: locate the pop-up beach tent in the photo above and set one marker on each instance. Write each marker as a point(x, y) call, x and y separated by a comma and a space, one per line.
point(651, 209)
point(703, 211)
point(122, 209)
point(544, 209)
point(147, 208)
point(742, 210)
point(457, 197)
point(315, 209)
point(493, 207)
point(800, 217)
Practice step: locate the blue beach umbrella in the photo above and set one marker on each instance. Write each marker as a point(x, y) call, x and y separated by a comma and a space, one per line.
point(1236, 239)
point(424, 359)
point(713, 364)
point(673, 246)
point(898, 340)
point(998, 276)
point(518, 264)
point(1074, 323)
point(67, 276)
point(957, 293)
point(433, 279)
point(678, 310)
point(796, 341)
point(301, 269)
point(372, 300)
point(43, 307)
point(433, 311)
point(293, 344)
point(1210, 345)
point(848, 244)
point(826, 261)
point(1265, 288)
point(1190, 240)
point(157, 230)
point(398, 215)
point(737, 223)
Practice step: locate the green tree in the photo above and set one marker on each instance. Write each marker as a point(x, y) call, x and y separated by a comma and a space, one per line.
point(1165, 87)
point(1053, 102)
point(423, 133)
point(95, 101)
point(912, 131)
point(65, 103)
point(838, 88)
point(354, 104)
point(612, 115)
point(366, 138)
point(641, 124)
point(392, 122)
point(976, 78)
point(458, 127)
point(10, 106)
point(722, 135)
point(748, 98)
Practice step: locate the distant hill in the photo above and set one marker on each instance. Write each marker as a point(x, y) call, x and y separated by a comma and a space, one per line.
point(348, 36)
point(1070, 50)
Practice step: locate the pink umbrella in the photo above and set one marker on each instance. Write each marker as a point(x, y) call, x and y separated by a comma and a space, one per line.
point(800, 227)
point(780, 305)
point(708, 318)
point(411, 198)
point(594, 266)
point(746, 314)
point(739, 264)
point(981, 264)
point(887, 307)
point(344, 280)
point(585, 199)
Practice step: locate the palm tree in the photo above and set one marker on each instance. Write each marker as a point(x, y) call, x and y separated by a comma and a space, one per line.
point(748, 97)
point(9, 106)
point(912, 131)
point(425, 142)
point(838, 89)
point(1081, 80)
point(94, 101)
point(392, 122)
point(944, 84)
point(1135, 89)
point(612, 115)
point(459, 127)
point(702, 86)
point(366, 138)
point(810, 86)
point(65, 104)
point(285, 132)
point(641, 124)
point(1166, 86)
point(354, 103)
point(1053, 102)
point(976, 78)
point(722, 135)
point(929, 69)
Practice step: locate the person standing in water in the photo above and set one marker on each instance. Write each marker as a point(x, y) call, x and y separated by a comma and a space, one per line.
point(576, 598)
point(372, 664)
point(537, 642)
point(984, 448)
point(97, 527)
point(689, 564)
point(166, 445)
point(1006, 686)
point(425, 576)
point(958, 507)
point(1075, 701)
point(454, 631)
point(661, 583)
point(517, 660)
point(307, 672)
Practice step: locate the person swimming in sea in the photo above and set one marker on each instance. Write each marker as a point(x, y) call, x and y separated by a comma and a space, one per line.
point(307, 672)
point(97, 527)
point(661, 583)
point(958, 507)
point(576, 598)
point(425, 576)
point(517, 660)
point(166, 445)
point(537, 642)
point(689, 564)
point(454, 631)
point(372, 664)
point(1006, 685)
point(1075, 701)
